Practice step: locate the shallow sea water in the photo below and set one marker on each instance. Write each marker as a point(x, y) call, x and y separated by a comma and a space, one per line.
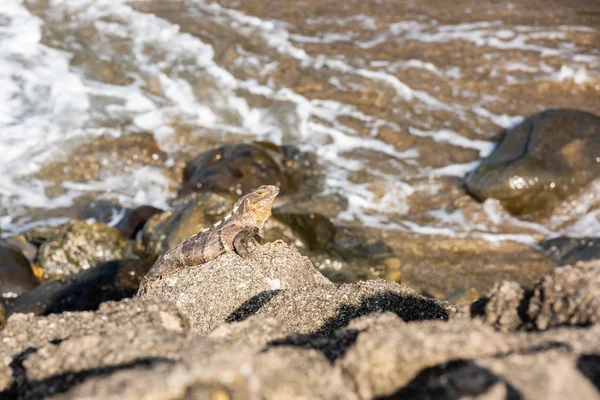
point(398, 99)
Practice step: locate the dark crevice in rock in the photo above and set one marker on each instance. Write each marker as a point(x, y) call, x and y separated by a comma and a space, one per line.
point(333, 346)
point(83, 291)
point(251, 306)
point(408, 308)
point(452, 380)
point(538, 348)
point(331, 340)
point(477, 308)
point(523, 309)
point(589, 366)
point(22, 388)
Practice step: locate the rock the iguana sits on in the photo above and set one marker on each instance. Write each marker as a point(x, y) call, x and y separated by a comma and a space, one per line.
point(232, 233)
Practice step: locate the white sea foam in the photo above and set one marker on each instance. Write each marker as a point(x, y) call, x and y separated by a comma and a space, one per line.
point(448, 136)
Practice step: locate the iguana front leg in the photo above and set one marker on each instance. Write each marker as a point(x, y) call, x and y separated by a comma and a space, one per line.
point(240, 241)
point(259, 239)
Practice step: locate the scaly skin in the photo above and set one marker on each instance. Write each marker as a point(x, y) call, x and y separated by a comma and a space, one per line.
point(232, 233)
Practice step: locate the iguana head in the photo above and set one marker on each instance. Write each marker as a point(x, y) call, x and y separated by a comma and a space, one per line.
point(255, 207)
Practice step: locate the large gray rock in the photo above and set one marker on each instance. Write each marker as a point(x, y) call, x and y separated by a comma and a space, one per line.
point(76, 337)
point(278, 282)
point(307, 339)
point(383, 360)
point(464, 359)
point(281, 373)
point(540, 162)
point(222, 289)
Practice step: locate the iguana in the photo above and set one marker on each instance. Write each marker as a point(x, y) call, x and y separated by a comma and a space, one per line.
point(232, 233)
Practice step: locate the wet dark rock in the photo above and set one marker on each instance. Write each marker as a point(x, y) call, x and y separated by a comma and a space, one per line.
point(134, 219)
point(319, 233)
point(567, 250)
point(82, 291)
point(540, 162)
point(342, 254)
point(78, 246)
point(40, 234)
point(20, 242)
point(450, 267)
point(316, 230)
point(567, 295)
point(240, 168)
point(16, 276)
point(166, 230)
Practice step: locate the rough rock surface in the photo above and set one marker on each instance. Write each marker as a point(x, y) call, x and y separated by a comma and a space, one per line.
point(567, 295)
point(540, 162)
point(307, 339)
point(211, 293)
point(80, 245)
point(25, 335)
point(324, 309)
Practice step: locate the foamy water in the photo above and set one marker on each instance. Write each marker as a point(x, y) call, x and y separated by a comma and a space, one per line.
point(48, 105)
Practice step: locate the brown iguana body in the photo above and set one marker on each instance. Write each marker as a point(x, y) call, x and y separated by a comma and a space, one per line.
point(232, 233)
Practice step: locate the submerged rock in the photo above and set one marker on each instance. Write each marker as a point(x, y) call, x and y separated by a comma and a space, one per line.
point(104, 156)
point(16, 275)
point(568, 250)
point(242, 167)
point(78, 246)
point(540, 162)
point(342, 254)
